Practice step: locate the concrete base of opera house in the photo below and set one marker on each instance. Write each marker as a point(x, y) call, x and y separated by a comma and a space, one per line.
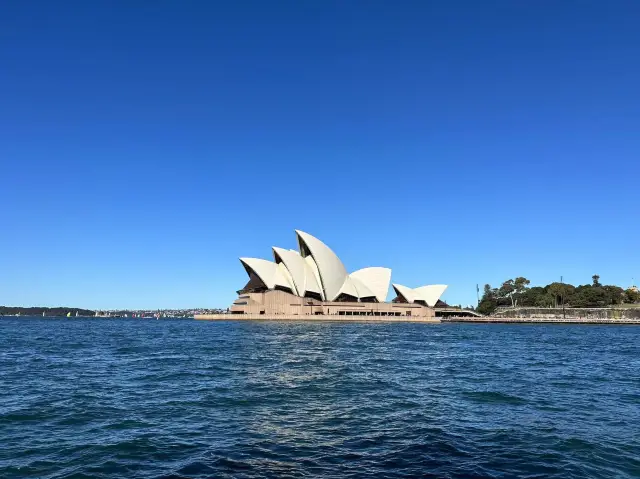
point(316, 317)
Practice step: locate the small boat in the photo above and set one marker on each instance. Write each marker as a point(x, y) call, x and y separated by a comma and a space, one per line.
point(69, 314)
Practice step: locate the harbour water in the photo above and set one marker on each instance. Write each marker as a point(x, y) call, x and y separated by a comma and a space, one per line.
point(106, 398)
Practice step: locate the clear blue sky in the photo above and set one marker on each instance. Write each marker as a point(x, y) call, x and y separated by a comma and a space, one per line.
point(145, 146)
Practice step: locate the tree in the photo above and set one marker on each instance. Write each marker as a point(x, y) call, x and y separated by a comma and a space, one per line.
point(560, 292)
point(520, 285)
point(506, 291)
point(596, 280)
point(615, 294)
point(513, 289)
point(588, 296)
point(488, 302)
point(487, 306)
point(536, 296)
point(632, 295)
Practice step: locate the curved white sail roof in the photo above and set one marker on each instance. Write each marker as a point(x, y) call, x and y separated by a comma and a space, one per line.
point(270, 273)
point(330, 269)
point(313, 277)
point(317, 269)
point(406, 293)
point(282, 269)
point(349, 288)
point(376, 279)
point(363, 291)
point(430, 294)
point(294, 264)
point(302, 275)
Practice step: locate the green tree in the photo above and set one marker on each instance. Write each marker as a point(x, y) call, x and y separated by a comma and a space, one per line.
point(487, 306)
point(513, 289)
point(560, 292)
point(507, 290)
point(536, 296)
point(615, 294)
point(588, 296)
point(488, 303)
point(596, 280)
point(632, 296)
point(520, 284)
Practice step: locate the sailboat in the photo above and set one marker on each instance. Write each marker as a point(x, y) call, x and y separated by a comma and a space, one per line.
point(69, 314)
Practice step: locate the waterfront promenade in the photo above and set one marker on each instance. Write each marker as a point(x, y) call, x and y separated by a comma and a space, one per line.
point(488, 319)
point(406, 319)
point(316, 317)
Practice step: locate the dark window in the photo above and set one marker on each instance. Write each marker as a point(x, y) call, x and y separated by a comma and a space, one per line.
point(284, 288)
point(346, 298)
point(312, 295)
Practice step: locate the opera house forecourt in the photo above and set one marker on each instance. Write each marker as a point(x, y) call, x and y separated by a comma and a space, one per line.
point(312, 283)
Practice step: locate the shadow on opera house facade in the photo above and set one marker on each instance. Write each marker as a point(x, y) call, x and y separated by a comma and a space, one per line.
point(313, 281)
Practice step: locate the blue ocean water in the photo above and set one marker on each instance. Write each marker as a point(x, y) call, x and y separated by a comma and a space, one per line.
point(97, 398)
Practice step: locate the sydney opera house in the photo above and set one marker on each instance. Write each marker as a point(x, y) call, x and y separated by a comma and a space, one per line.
point(313, 281)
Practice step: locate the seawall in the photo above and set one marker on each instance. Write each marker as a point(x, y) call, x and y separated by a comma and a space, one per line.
point(612, 313)
point(560, 320)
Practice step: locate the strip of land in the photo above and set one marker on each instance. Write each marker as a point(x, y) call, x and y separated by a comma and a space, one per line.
point(542, 320)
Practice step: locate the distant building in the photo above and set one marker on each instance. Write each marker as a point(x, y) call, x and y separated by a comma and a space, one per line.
point(313, 281)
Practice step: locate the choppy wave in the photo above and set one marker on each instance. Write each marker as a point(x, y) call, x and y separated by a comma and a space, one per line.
point(188, 399)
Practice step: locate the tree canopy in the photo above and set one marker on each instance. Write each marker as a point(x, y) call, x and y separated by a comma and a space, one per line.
point(517, 293)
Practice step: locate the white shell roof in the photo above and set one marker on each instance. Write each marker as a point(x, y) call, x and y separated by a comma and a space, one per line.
point(302, 275)
point(363, 290)
point(285, 273)
point(295, 264)
point(429, 294)
point(349, 287)
point(270, 273)
point(405, 292)
point(376, 279)
point(330, 269)
point(313, 277)
point(317, 269)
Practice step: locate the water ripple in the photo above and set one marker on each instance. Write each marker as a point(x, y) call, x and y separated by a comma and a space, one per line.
point(188, 399)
